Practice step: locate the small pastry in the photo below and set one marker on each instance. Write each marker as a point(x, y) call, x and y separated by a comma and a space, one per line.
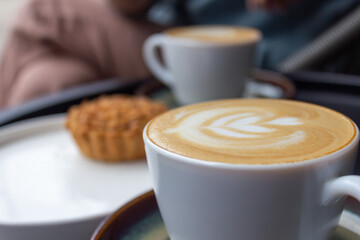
point(109, 128)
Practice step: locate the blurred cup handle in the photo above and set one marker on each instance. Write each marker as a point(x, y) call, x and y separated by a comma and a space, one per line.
point(342, 186)
point(153, 61)
point(276, 79)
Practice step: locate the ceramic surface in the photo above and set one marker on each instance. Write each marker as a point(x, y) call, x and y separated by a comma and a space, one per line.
point(140, 219)
point(223, 201)
point(48, 187)
point(198, 72)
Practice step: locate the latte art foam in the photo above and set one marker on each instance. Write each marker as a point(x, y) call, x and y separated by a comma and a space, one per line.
point(215, 34)
point(252, 131)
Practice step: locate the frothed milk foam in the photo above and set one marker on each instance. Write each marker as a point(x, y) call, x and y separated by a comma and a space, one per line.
point(215, 34)
point(252, 131)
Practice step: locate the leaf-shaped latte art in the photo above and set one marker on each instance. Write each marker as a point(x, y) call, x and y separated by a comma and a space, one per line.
point(246, 126)
point(238, 125)
point(223, 120)
point(285, 121)
point(230, 132)
point(214, 128)
point(252, 131)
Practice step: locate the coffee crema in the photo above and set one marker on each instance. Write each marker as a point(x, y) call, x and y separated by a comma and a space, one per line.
point(216, 34)
point(252, 131)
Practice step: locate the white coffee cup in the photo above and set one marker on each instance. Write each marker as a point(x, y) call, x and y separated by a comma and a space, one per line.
point(204, 200)
point(202, 63)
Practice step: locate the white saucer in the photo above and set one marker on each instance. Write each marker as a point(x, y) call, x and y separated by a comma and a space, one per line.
point(44, 180)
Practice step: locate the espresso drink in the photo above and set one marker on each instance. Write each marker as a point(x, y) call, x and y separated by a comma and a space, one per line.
point(215, 34)
point(252, 131)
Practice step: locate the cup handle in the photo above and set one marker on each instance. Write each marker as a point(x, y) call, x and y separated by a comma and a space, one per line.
point(276, 79)
point(346, 185)
point(152, 58)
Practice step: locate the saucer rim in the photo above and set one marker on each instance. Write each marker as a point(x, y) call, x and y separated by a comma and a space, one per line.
point(40, 125)
point(103, 226)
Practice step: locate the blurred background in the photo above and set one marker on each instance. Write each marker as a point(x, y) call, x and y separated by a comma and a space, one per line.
point(48, 46)
point(8, 9)
point(55, 53)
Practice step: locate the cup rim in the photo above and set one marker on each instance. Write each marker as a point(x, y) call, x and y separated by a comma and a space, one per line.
point(190, 42)
point(249, 167)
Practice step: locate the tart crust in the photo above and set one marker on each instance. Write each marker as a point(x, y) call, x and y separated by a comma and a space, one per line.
point(109, 128)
